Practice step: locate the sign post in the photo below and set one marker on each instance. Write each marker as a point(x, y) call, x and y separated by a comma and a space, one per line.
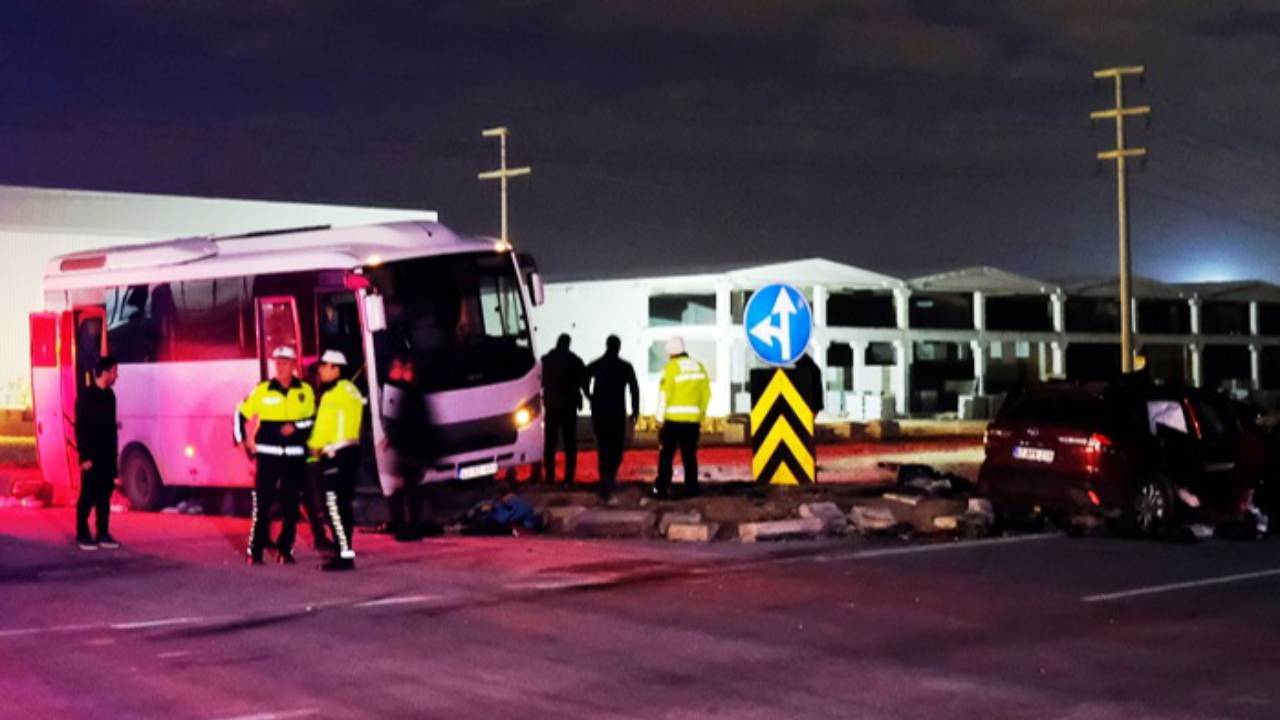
point(778, 324)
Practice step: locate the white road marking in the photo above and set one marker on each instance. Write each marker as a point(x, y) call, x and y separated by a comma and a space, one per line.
point(174, 654)
point(143, 624)
point(18, 632)
point(400, 600)
point(944, 546)
point(281, 715)
point(1173, 587)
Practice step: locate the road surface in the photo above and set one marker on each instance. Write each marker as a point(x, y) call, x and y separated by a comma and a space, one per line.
point(175, 626)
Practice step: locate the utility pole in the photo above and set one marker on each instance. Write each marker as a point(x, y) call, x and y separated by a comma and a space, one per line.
point(1120, 154)
point(503, 173)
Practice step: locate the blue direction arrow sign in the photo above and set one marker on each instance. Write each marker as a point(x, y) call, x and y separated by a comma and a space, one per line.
point(778, 324)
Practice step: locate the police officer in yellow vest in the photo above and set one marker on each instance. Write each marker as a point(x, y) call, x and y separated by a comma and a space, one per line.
point(683, 395)
point(285, 409)
point(335, 440)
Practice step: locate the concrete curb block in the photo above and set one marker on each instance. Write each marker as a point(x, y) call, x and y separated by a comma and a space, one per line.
point(683, 518)
point(615, 524)
point(780, 529)
point(692, 532)
point(562, 520)
point(833, 520)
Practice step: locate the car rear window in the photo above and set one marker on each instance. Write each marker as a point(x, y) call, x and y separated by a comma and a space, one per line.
point(1059, 408)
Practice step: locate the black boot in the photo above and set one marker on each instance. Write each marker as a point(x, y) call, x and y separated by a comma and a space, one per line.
point(338, 564)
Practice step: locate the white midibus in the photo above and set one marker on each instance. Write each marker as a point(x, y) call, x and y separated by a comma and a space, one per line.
point(193, 322)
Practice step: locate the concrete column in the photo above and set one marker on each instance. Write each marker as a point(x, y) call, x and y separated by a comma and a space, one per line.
point(1254, 322)
point(722, 386)
point(1137, 321)
point(1255, 365)
point(1197, 364)
point(979, 311)
point(902, 376)
point(902, 304)
point(1058, 306)
point(859, 364)
point(979, 350)
point(1059, 350)
point(1195, 315)
point(820, 342)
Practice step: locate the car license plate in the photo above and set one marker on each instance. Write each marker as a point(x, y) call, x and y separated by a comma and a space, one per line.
point(1031, 454)
point(471, 472)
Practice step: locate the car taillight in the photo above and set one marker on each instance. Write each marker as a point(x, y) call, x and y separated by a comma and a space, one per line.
point(1097, 444)
point(994, 434)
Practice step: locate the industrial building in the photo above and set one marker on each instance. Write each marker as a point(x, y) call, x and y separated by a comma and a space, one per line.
point(945, 343)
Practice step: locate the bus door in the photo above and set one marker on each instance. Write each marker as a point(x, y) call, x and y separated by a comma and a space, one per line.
point(277, 325)
point(82, 339)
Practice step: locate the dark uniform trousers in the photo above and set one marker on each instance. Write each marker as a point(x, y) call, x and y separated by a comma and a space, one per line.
point(339, 481)
point(683, 435)
point(278, 479)
point(562, 425)
point(611, 436)
point(96, 486)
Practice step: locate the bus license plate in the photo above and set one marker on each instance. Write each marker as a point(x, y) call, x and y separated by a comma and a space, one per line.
point(1031, 454)
point(471, 472)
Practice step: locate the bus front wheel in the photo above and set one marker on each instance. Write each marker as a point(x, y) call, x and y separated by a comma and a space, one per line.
point(141, 480)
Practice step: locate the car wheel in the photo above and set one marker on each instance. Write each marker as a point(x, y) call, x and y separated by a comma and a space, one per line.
point(1153, 507)
point(142, 483)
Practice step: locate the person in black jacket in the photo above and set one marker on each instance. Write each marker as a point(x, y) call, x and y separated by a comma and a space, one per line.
point(407, 428)
point(610, 378)
point(564, 379)
point(97, 441)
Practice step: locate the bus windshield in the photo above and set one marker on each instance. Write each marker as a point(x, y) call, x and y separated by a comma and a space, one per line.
point(460, 317)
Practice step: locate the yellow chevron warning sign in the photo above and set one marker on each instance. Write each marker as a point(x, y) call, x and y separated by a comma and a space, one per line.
point(782, 434)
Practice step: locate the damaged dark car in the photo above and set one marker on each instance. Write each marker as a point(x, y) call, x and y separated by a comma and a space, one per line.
point(1148, 459)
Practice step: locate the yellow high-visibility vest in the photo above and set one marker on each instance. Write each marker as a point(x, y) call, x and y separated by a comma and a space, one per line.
point(684, 391)
point(338, 418)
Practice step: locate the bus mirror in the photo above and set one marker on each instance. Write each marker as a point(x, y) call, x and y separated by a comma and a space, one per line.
point(536, 291)
point(375, 313)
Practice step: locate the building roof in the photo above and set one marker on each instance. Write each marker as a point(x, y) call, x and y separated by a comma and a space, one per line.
point(809, 271)
point(1239, 290)
point(135, 215)
point(1143, 288)
point(812, 271)
point(983, 278)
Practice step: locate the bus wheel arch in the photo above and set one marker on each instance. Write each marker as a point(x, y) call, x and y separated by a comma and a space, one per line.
point(141, 479)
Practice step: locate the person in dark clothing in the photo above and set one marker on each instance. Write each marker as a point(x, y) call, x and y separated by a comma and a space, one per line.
point(407, 426)
point(97, 441)
point(810, 382)
point(564, 379)
point(609, 379)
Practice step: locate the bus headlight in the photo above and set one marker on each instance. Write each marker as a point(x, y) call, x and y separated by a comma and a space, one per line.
point(527, 412)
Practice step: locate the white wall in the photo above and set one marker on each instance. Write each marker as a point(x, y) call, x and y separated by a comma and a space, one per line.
point(25, 255)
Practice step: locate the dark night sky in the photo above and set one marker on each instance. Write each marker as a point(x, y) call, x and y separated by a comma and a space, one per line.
point(900, 136)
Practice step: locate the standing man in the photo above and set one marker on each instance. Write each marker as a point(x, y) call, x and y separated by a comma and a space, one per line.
point(97, 441)
point(335, 440)
point(610, 378)
point(564, 378)
point(683, 395)
point(285, 409)
point(408, 428)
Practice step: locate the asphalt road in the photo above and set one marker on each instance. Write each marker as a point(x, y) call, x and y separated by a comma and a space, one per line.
point(175, 626)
